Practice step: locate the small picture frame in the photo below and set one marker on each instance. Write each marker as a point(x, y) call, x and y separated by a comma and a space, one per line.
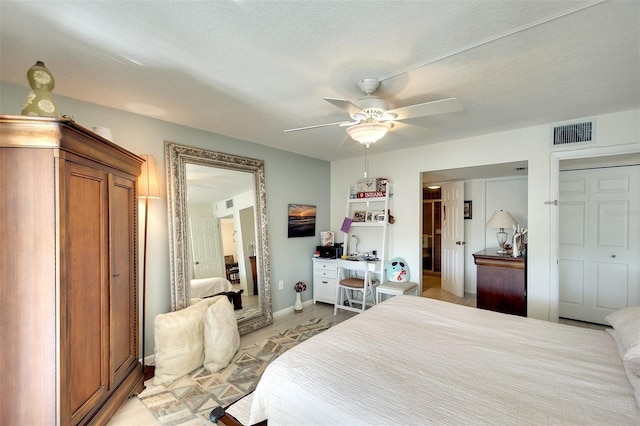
point(359, 215)
point(468, 213)
point(369, 217)
point(378, 216)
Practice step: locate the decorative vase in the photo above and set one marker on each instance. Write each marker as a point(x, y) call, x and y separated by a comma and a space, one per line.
point(39, 101)
point(298, 305)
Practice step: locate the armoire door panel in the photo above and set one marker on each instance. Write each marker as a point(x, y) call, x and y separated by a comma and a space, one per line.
point(123, 296)
point(85, 293)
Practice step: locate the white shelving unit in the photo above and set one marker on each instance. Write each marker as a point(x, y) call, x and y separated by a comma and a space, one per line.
point(377, 230)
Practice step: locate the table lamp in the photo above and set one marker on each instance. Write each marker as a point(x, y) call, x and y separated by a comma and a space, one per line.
point(501, 219)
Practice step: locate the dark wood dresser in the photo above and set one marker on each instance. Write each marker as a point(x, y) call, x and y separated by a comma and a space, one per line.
point(501, 282)
point(68, 274)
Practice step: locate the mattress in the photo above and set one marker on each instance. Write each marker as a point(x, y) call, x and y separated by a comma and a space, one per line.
point(418, 361)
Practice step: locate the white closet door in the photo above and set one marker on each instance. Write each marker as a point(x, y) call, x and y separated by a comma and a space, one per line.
point(599, 242)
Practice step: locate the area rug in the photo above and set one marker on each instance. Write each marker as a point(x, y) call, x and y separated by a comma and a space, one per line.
point(189, 399)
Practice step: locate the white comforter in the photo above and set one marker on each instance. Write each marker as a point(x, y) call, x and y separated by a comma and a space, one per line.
point(412, 360)
point(206, 287)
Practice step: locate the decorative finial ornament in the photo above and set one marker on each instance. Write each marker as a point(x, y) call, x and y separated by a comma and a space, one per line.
point(39, 101)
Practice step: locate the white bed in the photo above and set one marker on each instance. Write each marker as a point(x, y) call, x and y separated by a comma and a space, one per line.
point(411, 360)
point(207, 287)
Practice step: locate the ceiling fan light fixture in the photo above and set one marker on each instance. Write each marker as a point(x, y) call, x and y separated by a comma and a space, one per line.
point(368, 132)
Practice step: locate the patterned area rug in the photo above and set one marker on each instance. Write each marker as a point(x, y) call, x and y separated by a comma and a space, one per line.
point(190, 399)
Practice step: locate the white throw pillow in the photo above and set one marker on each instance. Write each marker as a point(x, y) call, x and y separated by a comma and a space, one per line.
point(221, 336)
point(179, 342)
point(627, 323)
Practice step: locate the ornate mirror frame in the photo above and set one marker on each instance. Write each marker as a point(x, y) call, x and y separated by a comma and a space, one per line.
point(177, 157)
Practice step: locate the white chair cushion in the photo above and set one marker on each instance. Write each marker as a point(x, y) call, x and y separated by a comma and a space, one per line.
point(179, 342)
point(221, 336)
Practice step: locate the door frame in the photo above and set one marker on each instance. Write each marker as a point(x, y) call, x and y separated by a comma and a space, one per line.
point(554, 225)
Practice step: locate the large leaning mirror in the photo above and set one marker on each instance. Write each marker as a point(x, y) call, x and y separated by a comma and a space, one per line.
point(218, 231)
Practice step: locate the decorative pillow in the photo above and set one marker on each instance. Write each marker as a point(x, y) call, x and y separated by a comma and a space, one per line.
point(221, 336)
point(631, 367)
point(179, 342)
point(626, 322)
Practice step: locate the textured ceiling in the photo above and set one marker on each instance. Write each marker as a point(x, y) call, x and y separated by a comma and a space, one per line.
point(251, 69)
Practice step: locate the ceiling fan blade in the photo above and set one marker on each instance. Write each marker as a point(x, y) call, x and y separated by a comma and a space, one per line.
point(428, 108)
point(410, 131)
point(346, 105)
point(345, 140)
point(339, 123)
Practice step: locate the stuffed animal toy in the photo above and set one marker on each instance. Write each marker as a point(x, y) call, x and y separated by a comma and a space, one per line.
point(398, 270)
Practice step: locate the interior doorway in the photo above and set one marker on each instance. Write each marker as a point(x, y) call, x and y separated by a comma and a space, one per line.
point(431, 237)
point(565, 160)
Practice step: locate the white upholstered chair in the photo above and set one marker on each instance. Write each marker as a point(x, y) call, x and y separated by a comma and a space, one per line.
point(356, 282)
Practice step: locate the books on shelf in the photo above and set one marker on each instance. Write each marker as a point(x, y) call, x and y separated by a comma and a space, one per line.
point(371, 187)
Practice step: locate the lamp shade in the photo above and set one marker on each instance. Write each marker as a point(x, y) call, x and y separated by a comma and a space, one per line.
point(501, 219)
point(368, 132)
point(148, 181)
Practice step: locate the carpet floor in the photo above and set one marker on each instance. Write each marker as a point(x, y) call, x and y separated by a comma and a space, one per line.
point(189, 400)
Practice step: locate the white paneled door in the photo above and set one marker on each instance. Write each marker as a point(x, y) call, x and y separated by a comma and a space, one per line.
point(599, 242)
point(453, 238)
point(205, 248)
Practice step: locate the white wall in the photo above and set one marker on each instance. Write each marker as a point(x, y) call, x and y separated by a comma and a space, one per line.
point(532, 144)
point(290, 258)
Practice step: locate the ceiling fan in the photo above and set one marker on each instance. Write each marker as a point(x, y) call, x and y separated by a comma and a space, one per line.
point(371, 119)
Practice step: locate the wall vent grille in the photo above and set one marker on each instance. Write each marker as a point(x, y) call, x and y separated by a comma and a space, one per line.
point(230, 203)
point(582, 132)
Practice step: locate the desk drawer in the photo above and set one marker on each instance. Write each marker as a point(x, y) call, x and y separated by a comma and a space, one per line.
point(319, 273)
point(323, 265)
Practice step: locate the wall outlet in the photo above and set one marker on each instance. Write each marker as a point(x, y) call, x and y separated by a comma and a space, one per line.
point(280, 285)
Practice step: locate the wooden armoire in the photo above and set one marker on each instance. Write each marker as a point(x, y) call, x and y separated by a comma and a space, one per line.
point(68, 274)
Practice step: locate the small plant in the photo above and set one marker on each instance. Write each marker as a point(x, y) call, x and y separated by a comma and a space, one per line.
point(299, 287)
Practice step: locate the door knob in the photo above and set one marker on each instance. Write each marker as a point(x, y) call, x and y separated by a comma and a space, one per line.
point(460, 243)
point(613, 256)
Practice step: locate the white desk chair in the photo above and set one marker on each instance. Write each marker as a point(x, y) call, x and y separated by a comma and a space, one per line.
point(355, 276)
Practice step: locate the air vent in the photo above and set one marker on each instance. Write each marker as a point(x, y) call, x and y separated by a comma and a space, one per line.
point(230, 203)
point(577, 132)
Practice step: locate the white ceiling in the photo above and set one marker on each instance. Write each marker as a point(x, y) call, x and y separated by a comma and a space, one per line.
point(251, 69)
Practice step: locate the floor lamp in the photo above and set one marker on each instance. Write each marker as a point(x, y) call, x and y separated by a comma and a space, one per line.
point(148, 187)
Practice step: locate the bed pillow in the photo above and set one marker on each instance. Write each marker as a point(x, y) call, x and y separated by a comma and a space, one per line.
point(626, 322)
point(221, 336)
point(632, 365)
point(179, 342)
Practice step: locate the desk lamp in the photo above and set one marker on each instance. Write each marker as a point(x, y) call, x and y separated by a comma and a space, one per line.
point(501, 219)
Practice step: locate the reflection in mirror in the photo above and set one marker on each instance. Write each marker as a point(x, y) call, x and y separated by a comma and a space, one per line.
point(218, 224)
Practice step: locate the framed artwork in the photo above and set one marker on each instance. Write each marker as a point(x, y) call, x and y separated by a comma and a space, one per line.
point(467, 209)
point(369, 217)
point(326, 238)
point(359, 216)
point(379, 216)
point(302, 220)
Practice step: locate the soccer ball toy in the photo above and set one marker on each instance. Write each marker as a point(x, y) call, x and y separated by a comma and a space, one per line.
point(398, 270)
